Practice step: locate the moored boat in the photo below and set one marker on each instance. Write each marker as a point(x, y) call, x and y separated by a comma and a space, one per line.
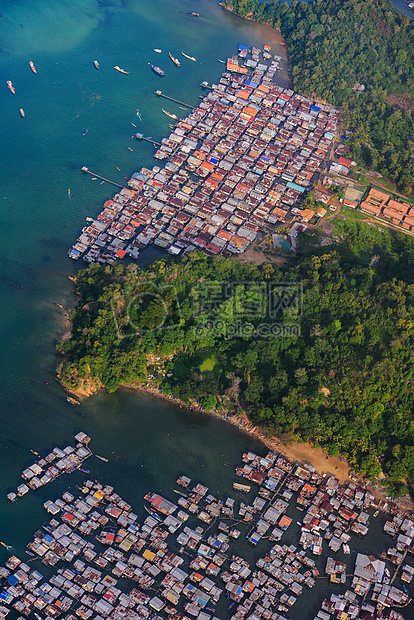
point(102, 458)
point(72, 401)
point(96, 64)
point(31, 65)
point(120, 70)
point(157, 50)
point(194, 14)
point(241, 487)
point(175, 60)
point(22, 112)
point(170, 114)
point(189, 57)
point(11, 87)
point(156, 70)
point(153, 513)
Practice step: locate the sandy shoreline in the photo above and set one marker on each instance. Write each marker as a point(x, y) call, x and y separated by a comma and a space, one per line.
point(295, 451)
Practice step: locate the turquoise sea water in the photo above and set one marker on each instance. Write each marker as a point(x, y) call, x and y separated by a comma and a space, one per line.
point(149, 442)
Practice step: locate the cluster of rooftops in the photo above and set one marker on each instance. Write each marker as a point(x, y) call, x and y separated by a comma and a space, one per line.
point(235, 167)
point(381, 204)
point(56, 463)
point(178, 563)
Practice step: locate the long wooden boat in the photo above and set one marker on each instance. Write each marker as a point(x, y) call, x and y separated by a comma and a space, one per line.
point(31, 65)
point(241, 487)
point(189, 57)
point(175, 60)
point(170, 114)
point(120, 70)
point(11, 87)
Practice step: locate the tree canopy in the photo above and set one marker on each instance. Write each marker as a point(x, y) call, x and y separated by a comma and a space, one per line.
point(337, 371)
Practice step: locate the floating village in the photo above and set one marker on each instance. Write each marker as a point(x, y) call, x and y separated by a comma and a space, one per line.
point(235, 167)
point(184, 560)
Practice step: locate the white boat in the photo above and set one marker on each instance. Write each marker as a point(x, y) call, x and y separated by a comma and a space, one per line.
point(175, 60)
point(157, 50)
point(22, 112)
point(241, 487)
point(170, 114)
point(102, 458)
point(120, 70)
point(189, 57)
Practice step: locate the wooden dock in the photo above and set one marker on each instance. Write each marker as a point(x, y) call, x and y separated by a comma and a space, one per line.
point(140, 136)
point(159, 93)
point(98, 176)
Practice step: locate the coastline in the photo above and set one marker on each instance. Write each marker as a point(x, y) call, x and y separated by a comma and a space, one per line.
point(294, 451)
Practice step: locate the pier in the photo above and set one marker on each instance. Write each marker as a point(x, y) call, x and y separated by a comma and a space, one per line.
point(140, 136)
point(85, 169)
point(159, 93)
point(398, 567)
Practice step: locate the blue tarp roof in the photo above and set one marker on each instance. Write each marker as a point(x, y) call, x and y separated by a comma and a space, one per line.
point(212, 160)
point(315, 108)
point(12, 579)
point(48, 539)
point(243, 48)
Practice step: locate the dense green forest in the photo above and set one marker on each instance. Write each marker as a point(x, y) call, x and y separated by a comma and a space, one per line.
point(345, 381)
point(337, 45)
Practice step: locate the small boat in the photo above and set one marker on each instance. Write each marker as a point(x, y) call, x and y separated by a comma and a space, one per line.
point(94, 178)
point(222, 61)
point(133, 125)
point(387, 572)
point(72, 401)
point(181, 108)
point(102, 458)
point(241, 487)
point(96, 64)
point(170, 114)
point(194, 14)
point(120, 70)
point(102, 182)
point(31, 65)
point(29, 553)
point(68, 192)
point(22, 114)
point(376, 513)
point(156, 70)
point(85, 471)
point(157, 50)
point(34, 452)
point(37, 616)
point(175, 60)
point(89, 219)
point(85, 132)
point(189, 57)
point(116, 168)
point(129, 149)
point(2, 543)
point(180, 493)
point(152, 513)
point(60, 306)
point(11, 87)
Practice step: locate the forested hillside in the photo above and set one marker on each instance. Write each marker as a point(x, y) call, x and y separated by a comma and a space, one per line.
point(335, 47)
point(346, 382)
